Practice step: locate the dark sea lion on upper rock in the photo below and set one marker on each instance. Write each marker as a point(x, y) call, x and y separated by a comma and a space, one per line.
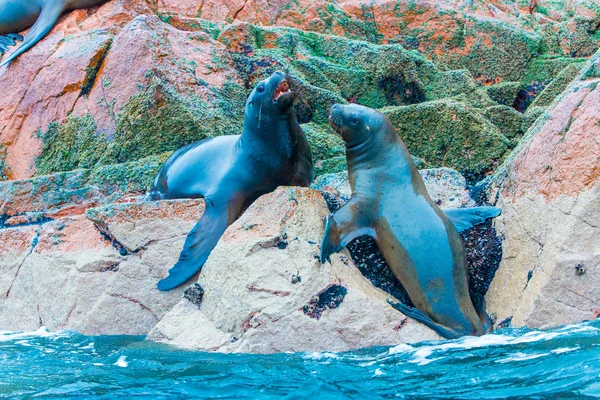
point(41, 15)
point(419, 241)
point(230, 172)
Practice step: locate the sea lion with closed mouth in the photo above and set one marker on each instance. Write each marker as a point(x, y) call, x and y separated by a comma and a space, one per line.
point(419, 241)
point(230, 172)
point(40, 15)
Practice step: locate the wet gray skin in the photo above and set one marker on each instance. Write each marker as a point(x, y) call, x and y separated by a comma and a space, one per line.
point(230, 172)
point(40, 15)
point(417, 239)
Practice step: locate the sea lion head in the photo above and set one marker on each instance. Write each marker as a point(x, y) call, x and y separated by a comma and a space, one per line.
point(355, 123)
point(271, 97)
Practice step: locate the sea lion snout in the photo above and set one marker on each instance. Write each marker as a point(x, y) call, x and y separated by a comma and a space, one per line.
point(335, 117)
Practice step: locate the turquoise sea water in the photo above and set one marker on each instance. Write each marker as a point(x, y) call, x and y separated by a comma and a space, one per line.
point(560, 363)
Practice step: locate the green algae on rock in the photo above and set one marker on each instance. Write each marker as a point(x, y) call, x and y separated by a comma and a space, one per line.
point(504, 93)
point(69, 146)
point(557, 85)
point(133, 176)
point(512, 124)
point(432, 131)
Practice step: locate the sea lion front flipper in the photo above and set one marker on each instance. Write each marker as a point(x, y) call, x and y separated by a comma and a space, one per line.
point(348, 223)
point(199, 243)
point(44, 24)
point(466, 218)
point(421, 317)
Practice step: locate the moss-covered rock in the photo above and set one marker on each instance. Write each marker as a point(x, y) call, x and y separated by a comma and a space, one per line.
point(558, 85)
point(512, 124)
point(160, 120)
point(496, 50)
point(72, 145)
point(324, 142)
point(504, 93)
point(450, 134)
point(133, 176)
point(154, 121)
point(544, 69)
point(444, 110)
point(533, 113)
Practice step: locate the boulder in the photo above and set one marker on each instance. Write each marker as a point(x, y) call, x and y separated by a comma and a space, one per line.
point(94, 275)
point(549, 191)
point(266, 291)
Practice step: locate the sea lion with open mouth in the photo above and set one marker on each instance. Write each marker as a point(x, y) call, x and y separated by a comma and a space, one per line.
point(40, 15)
point(419, 241)
point(230, 172)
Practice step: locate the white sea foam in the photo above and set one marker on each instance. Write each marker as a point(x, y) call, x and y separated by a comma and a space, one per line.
point(122, 362)
point(421, 354)
point(564, 350)
point(521, 357)
point(401, 348)
point(43, 332)
point(320, 355)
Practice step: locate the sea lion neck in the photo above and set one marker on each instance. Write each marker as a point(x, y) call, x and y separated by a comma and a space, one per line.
point(368, 151)
point(267, 132)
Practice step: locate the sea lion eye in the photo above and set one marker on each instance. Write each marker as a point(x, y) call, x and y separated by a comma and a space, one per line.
point(260, 88)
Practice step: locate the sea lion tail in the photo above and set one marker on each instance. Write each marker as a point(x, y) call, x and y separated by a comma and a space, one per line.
point(466, 218)
point(44, 24)
point(199, 243)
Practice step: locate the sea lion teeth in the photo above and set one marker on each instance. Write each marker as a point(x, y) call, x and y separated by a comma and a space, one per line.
point(230, 172)
point(419, 241)
point(282, 88)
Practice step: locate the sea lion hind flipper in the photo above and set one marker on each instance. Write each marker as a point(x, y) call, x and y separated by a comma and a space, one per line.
point(466, 218)
point(421, 317)
point(199, 243)
point(44, 24)
point(9, 40)
point(344, 226)
point(479, 305)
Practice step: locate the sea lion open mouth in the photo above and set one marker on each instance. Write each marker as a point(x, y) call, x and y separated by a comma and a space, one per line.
point(283, 88)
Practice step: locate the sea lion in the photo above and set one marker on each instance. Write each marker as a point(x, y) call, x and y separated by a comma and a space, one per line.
point(418, 240)
point(230, 172)
point(18, 15)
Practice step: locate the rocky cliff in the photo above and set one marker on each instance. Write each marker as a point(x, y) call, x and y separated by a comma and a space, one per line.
point(503, 90)
point(549, 193)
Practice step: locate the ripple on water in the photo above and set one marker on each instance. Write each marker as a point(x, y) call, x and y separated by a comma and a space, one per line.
point(559, 363)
